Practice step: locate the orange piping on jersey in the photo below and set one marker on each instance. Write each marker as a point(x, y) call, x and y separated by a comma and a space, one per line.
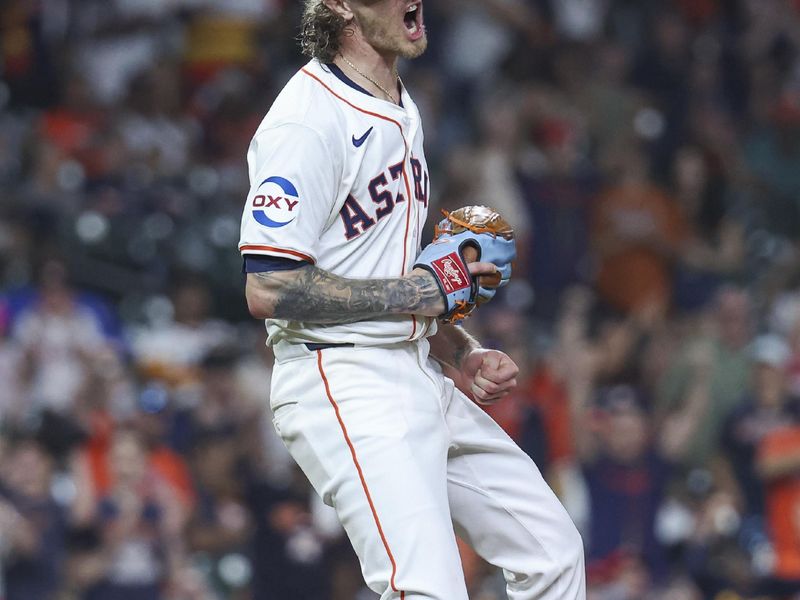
point(360, 472)
point(405, 174)
point(258, 248)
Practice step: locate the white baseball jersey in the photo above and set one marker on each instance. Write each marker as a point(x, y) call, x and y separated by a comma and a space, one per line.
point(339, 179)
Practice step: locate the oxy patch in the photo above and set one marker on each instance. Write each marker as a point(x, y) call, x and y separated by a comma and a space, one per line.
point(275, 202)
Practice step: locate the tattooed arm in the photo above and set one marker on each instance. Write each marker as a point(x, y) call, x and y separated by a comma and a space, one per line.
point(313, 295)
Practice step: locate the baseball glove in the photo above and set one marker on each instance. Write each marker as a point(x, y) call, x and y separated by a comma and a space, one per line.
point(469, 234)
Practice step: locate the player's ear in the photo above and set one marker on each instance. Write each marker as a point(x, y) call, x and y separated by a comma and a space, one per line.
point(341, 8)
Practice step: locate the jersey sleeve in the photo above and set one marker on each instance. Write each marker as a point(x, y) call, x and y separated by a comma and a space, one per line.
point(293, 188)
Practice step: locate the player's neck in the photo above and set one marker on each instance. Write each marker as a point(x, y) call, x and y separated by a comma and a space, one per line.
point(378, 71)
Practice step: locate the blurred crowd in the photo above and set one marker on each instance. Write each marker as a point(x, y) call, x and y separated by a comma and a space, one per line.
point(647, 153)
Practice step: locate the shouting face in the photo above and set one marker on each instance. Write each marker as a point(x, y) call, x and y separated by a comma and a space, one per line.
point(390, 26)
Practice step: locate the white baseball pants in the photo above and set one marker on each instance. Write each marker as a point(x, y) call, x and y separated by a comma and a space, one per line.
point(405, 458)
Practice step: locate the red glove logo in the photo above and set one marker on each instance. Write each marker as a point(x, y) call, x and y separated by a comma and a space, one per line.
point(450, 270)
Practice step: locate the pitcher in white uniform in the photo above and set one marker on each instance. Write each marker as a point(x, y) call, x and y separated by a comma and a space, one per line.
point(330, 233)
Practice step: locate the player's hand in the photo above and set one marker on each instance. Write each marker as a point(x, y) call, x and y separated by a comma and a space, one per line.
point(433, 301)
point(490, 373)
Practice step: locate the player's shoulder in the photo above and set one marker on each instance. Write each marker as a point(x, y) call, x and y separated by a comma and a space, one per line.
point(306, 101)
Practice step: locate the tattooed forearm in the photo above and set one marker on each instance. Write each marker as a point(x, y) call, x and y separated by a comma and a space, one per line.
point(313, 295)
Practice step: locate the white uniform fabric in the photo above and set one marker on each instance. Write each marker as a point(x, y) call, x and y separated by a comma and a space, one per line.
point(382, 435)
point(331, 171)
point(390, 443)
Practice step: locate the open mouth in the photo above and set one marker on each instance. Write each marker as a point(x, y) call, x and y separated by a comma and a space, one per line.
point(413, 20)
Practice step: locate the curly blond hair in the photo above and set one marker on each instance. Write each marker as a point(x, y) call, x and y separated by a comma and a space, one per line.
point(321, 31)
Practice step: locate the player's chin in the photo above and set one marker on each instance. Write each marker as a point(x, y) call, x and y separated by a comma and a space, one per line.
point(411, 49)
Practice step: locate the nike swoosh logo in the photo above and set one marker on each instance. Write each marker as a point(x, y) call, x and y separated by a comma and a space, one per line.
point(358, 142)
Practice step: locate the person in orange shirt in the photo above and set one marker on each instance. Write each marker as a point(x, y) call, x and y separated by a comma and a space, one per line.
point(138, 521)
point(93, 468)
point(637, 231)
point(778, 464)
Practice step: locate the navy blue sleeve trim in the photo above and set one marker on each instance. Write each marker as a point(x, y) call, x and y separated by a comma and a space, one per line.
point(256, 263)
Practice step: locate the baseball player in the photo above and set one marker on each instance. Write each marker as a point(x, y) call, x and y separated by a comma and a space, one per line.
point(331, 243)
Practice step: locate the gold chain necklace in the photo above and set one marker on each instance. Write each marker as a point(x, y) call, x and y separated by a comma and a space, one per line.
point(370, 79)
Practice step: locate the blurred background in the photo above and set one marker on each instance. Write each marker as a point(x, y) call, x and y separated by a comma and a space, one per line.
point(647, 153)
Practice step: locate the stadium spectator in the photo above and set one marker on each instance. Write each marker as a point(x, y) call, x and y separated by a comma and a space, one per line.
point(138, 521)
point(714, 248)
point(221, 524)
point(156, 134)
point(778, 465)
point(637, 234)
point(767, 409)
point(626, 482)
point(60, 340)
point(149, 420)
point(706, 380)
point(171, 349)
point(32, 524)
